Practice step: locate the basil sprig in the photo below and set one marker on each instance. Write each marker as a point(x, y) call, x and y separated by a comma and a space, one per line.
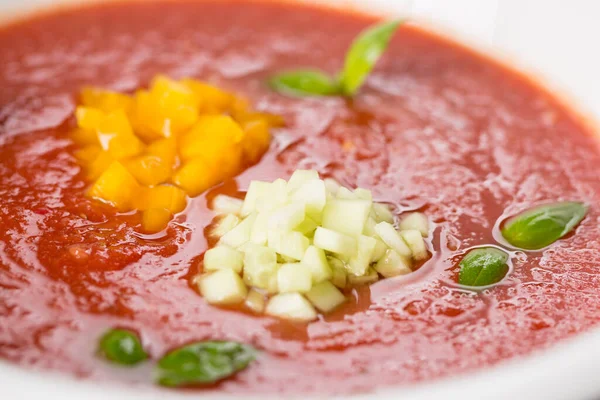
point(361, 58)
point(483, 266)
point(541, 226)
point(122, 347)
point(203, 363)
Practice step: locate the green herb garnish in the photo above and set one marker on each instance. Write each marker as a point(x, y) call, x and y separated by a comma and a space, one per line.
point(483, 266)
point(122, 347)
point(541, 226)
point(203, 363)
point(361, 58)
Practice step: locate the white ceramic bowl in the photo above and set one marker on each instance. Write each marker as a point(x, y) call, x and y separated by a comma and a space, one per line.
point(552, 40)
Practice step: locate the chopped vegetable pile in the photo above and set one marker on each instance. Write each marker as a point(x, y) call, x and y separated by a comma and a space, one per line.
point(290, 249)
point(150, 150)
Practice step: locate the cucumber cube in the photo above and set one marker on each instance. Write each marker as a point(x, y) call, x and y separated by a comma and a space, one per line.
point(363, 194)
point(274, 198)
point(346, 216)
point(294, 278)
point(415, 242)
point(260, 264)
point(300, 177)
point(383, 213)
point(260, 229)
point(256, 190)
point(393, 264)
point(292, 306)
point(223, 287)
point(359, 263)
point(417, 221)
point(339, 276)
point(313, 195)
point(287, 218)
point(240, 234)
point(335, 242)
point(290, 244)
point(223, 256)
point(223, 204)
point(307, 227)
point(345, 193)
point(325, 297)
point(392, 239)
point(224, 225)
point(255, 301)
point(380, 249)
point(371, 276)
point(315, 260)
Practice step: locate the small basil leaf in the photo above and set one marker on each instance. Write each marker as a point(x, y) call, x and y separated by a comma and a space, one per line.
point(203, 363)
point(483, 266)
point(122, 347)
point(541, 226)
point(364, 53)
point(305, 82)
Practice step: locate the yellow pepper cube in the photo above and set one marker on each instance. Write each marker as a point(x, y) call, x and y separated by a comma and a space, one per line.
point(196, 176)
point(214, 100)
point(155, 219)
point(169, 197)
point(115, 186)
point(105, 100)
point(100, 164)
point(116, 136)
point(165, 149)
point(88, 154)
point(84, 137)
point(149, 170)
point(211, 136)
point(89, 118)
point(177, 103)
point(257, 139)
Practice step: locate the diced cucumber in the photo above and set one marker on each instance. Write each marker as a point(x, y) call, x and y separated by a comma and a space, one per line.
point(307, 227)
point(290, 244)
point(255, 301)
point(332, 186)
point(363, 194)
point(370, 228)
point(335, 242)
point(294, 278)
point(223, 204)
point(393, 264)
point(383, 213)
point(380, 249)
point(325, 297)
point(223, 257)
point(392, 239)
point(223, 287)
point(240, 234)
point(274, 198)
point(370, 277)
point(315, 260)
point(300, 177)
point(339, 276)
point(359, 263)
point(260, 264)
point(345, 194)
point(256, 190)
point(346, 216)
point(292, 306)
point(313, 195)
point(287, 217)
point(224, 225)
point(260, 228)
point(417, 221)
point(415, 242)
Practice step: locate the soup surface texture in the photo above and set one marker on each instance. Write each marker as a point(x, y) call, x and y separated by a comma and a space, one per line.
point(436, 128)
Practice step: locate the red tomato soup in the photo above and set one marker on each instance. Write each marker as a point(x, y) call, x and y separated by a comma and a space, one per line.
point(436, 128)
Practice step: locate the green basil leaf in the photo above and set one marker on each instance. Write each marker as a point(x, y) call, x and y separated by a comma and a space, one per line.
point(122, 347)
point(306, 82)
point(364, 53)
point(483, 266)
point(203, 363)
point(541, 226)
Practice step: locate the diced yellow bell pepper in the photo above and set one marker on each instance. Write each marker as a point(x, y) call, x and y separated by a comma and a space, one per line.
point(164, 196)
point(102, 161)
point(88, 154)
point(84, 137)
point(115, 186)
point(196, 177)
point(155, 219)
point(116, 136)
point(166, 149)
point(89, 118)
point(105, 100)
point(257, 139)
point(211, 136)
point(214, 100)
point(149, 170)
